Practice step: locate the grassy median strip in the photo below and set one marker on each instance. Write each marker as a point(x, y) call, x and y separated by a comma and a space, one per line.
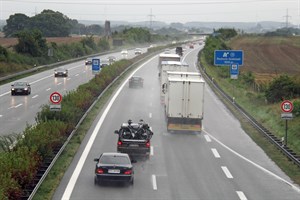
point(52, 181)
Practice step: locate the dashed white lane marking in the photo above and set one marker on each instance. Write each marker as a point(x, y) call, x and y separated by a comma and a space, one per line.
point(59, 83)
point(1, 115)
point(15, 106)
point(48, 89)
point(151, 151)
point(77, 75)
point(207, 138)
point(216, 153)
point(150, 115)
point(35, 96)
point(73, 179)
point(296, 188)
point(68, 79)
point(241, 195)
point(227, 172)
point(154, 184)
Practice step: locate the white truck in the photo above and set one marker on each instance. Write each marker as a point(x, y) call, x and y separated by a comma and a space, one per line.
point(168, 66)
point(184, 102)
point(166, 57)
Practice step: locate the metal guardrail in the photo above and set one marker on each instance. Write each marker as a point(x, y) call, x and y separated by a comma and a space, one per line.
point(271, 137)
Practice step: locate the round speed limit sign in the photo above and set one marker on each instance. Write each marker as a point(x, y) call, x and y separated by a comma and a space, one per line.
point(286, 106)
point(55, 98)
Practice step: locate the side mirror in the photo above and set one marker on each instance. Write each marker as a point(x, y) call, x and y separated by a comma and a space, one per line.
point(116, 132)
point(133, 161)
point(96, 159)
point(12, 85)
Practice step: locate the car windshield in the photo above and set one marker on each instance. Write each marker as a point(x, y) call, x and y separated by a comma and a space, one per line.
point(20, 84)
point(113, 159)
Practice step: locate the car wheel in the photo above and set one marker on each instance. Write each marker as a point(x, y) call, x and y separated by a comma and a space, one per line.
point(95, 181)
point(132, 181)
point(12, 93)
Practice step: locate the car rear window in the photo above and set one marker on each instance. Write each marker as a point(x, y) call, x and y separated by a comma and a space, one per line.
point(114, 160)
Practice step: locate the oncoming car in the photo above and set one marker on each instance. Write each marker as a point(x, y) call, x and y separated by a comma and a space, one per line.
point(138, 51)
point(60, 72)
point(88, 61)
point(20, 88)
point(136, 81)
point(114, 167)
point(124, 52)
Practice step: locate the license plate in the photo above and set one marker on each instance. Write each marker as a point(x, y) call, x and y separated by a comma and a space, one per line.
point(114, 171)
point(134, 145)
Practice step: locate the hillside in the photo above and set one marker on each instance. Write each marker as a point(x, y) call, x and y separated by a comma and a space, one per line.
point(267, 57)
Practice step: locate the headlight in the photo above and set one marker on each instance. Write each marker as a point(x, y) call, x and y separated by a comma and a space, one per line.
point(26, 88)
point(55, 72)
point(65, 72)
point(12, 88)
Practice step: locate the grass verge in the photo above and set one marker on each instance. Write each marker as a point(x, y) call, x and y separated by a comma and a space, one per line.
point(288, 167)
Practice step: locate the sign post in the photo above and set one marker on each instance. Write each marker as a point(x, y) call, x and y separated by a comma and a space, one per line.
point(287, 107)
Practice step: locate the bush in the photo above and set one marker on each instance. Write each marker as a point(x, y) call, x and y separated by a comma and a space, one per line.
point(296, 110)
point(280, 88)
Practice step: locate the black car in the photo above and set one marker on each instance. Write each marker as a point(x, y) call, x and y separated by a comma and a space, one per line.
point(136, 81)
point(179, 51)
point(114, 167)
point(88, 61)
point(20, 88)
point(60, 72)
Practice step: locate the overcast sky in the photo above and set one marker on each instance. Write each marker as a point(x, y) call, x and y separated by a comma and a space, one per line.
point(161, 10)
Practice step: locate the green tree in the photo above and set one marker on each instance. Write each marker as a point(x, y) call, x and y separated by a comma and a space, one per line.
point(52, 24)
point(280, 88)
point(31, 42)
point(15, 23)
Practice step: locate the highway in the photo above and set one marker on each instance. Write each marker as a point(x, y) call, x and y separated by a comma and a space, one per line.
point(18, 111)
point(220, 163)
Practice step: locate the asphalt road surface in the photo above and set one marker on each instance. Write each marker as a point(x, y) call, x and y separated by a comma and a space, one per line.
point(18, 111)
point(221, 163)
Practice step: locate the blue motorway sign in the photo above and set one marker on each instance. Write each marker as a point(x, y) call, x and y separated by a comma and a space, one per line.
point(228, 57)
point(95, 65)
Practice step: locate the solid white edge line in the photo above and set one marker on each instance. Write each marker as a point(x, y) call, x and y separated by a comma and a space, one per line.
point(1, 115)
point(216, 153)
point(71, 184)
point(207, 138)
point(154, 184)
point(253, 163)
point(227, 172)
point(241, 195)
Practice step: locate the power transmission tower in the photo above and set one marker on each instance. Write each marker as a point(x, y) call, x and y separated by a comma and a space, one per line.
point(287, 16)
point(151, 16)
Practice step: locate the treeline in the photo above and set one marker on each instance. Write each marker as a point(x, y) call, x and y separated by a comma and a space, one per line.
point(284, 32)
point(280, 88)
point(50, 23)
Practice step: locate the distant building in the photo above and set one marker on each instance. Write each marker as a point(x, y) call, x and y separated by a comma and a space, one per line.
point(107, 30)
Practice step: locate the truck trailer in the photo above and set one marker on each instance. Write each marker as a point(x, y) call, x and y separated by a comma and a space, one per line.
point(184, 102)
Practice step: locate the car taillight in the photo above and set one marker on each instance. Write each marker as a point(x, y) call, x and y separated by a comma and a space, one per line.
point(119, 143)
point(148, 144)
point(128, 172)
point(99, 171)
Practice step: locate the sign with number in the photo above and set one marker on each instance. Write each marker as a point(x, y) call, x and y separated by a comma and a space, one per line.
point(55, 98)
point(287, 106)
point(228, 57)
